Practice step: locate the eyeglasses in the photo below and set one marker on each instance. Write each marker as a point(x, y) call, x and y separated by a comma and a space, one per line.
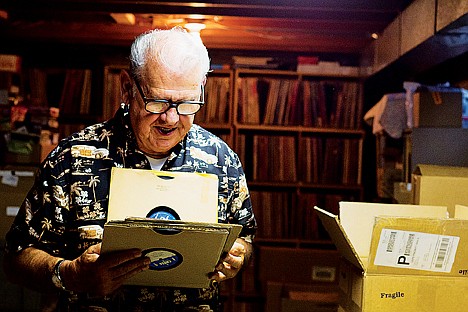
point(160, 106)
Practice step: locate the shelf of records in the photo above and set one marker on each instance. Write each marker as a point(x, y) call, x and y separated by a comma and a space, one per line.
point(69, 89)
point(272, 97)
point(332, 159)
point(287, 214)
point(292, 99)
point(217, 110)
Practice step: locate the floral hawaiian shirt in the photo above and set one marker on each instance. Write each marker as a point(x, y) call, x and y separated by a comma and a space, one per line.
point(65, 211)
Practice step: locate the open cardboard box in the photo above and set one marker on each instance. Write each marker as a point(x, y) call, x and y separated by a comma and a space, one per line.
point(400, 257)
point(440, 185)
point(15, 183)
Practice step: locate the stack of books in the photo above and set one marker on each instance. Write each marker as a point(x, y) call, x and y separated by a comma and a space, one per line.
point(254, 62)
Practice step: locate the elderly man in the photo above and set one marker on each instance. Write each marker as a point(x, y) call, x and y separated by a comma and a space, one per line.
point(54, 243)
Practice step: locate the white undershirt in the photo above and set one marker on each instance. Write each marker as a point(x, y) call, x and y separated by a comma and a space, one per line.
point(157, 163)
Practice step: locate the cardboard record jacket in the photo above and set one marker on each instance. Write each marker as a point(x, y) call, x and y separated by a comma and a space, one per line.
point(163, 194)
point(182, 253)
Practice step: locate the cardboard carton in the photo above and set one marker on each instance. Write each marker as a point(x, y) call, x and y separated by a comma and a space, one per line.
point(400, 257)
point(10, 63)
point(461, 212)
point(282, 297)
point(438, 146)
point(440, 185)
point(304, 266)
point(14, 186)
point(440, 107)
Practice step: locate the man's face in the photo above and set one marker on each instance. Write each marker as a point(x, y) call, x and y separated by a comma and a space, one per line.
point(157, 134)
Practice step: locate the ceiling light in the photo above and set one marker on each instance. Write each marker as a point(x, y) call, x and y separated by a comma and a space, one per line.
point(196, 16)
point(194, 27)
point(124, 18)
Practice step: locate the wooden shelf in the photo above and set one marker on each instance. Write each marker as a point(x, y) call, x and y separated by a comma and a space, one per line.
point(299, 129)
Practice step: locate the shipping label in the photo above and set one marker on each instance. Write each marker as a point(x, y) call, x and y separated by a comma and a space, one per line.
point(416, 250)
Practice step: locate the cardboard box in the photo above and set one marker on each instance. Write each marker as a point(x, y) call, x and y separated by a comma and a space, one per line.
point(10, 63)
point(14, 186)
point(292, 305)
point(402, 192)
point(27, 159)
point(440, 107)
point(461, 212)
point(440, 185)
point(297, 265)
point(439, 146)
point(182, 253)
point(399, 257)
point(282, 297)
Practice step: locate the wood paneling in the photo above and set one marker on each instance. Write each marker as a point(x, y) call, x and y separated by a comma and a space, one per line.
point(417, 24)
point(388, 45)
point(448, 11)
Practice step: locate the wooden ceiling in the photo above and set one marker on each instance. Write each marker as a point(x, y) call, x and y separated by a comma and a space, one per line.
point(311, 26)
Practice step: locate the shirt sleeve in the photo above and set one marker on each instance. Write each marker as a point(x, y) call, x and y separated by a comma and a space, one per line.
point(40, 221)
point(240, 208)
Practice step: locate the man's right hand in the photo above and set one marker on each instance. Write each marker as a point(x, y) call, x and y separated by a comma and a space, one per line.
point(102, 274)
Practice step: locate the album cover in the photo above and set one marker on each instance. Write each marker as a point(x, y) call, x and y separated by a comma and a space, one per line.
point(182, 253)
point(186, 196)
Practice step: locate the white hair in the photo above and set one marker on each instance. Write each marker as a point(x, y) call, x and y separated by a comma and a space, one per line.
point(173, 52)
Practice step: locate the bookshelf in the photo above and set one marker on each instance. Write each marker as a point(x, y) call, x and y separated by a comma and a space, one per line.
point(303, 146)
point(111, 98)
point(300, 140)
point(72, 90)
point(216, 115)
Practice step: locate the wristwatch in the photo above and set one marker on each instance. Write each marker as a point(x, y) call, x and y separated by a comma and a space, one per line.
point(56, 279)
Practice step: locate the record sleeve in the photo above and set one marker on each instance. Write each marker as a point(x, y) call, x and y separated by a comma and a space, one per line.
point(168, 195)
point(182, 253)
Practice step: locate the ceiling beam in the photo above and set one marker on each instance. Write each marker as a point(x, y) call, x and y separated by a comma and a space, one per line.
point(373, 10)
point(122, 35)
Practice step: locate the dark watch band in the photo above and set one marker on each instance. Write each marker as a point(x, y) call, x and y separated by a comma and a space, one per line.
point(56, 278)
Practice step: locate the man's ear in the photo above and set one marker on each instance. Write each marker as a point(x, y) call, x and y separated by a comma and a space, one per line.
point(126, 86)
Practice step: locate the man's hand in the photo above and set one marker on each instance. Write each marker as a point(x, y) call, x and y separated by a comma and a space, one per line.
point(102, 274)
point(233, 262)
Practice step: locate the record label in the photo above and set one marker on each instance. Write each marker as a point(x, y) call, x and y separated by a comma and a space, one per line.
point(163, 213)
point(162, 258)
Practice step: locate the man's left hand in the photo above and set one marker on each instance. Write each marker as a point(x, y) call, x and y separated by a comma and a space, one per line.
point(229, 266)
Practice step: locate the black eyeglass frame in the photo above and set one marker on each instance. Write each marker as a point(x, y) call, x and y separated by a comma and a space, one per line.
point(170, 104)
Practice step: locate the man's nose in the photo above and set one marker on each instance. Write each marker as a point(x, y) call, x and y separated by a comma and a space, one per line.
point(170, 115)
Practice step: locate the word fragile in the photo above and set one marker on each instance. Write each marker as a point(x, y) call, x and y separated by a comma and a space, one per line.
point(392, 295)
